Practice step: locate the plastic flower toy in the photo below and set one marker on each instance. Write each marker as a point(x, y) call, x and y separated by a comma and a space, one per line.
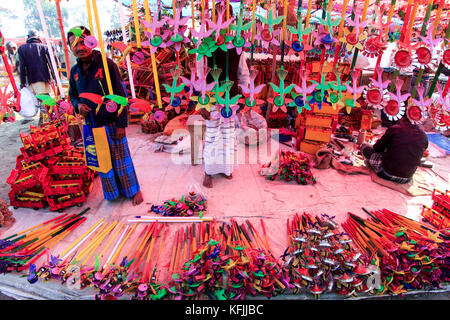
point(373, 46)
point(301, 99)
point(323, 38)
point(239, 41)
point(415, 111)
point(329, 22)
point(376, 93)
point(225, 113)
point(320, 93)
point(280, 101)
point(446, 56)
point(267, 35)
point(174, 100)
point(251, 91)
point(403, 60)
point(425, 55)
point(354, 38)
point(179, 28)
point(227, 101)
point(206, 47)
point(220, 24)
point(394, 108)
point(336, 98)
point(155, 38)
point(354, 89)
point(297, 45)
point(204, 99)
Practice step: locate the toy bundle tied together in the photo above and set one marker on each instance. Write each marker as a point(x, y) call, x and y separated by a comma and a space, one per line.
point(290, 166)
point(189, 205)
point(320, 259)
point(49, 170)
point(410, 254)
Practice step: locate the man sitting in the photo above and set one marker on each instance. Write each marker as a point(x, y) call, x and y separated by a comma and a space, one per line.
point(253, 127)
point(397, 154)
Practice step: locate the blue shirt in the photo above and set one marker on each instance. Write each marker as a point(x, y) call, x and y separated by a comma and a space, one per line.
point(93, 80)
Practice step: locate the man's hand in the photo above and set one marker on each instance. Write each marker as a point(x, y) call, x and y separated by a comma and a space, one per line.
point(205, 114)
point(120, 133)
point(84, 109)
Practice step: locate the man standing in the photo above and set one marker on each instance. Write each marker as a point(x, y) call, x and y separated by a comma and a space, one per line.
point(88, 75)
point(34, 67)
point(11, 53)
point(397, 154)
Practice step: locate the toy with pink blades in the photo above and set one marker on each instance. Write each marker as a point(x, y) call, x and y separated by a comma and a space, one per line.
point(354, 89)
point(280, 100)
point(297, 46)
point(204, 100)
point(250, 92)
point(425, 55)
point(240, 40)
point(175, 100)
point(416, 110)
point(267, 35)
point(301, 100)
point(154, 36)
point(395, 108)
point(220, 24)
point(354, 38)
point(377, 92)
point(177, 36)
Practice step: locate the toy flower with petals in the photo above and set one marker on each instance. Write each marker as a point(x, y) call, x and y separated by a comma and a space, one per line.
point(251, 91)
point(415, 111)
point(297, 45)
point(301, 100)
point(266, 37)
point(354, 89)
point(394, 108)
point(205, 100)
point(220, 24)
point(446, 56)
point(206, 47)
point(323, 38)
point(354, 38)
point(227, 101)
point(340, 88)
point(377, 92)
point(319, 94)
point(179, 28)
point(174, 100)
point(402, 59)
point(156, 39)
point(329, 22)
point(280, 100)
point(239, 41)
point(373, 46)
point(190, 83)
point(226, 113)
point(425, 55)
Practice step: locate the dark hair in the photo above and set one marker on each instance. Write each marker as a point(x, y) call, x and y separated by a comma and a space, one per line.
point(84, 30)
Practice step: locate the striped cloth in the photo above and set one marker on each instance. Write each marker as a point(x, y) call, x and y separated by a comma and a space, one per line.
point(375, 160)
point(122, 178)
point(220, 146)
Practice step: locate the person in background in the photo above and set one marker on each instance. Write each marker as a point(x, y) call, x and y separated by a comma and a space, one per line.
point(220, 137)
point(34, 68)
point(88, 75)
point(11, 53)
point(398, 153)
point(253, 127)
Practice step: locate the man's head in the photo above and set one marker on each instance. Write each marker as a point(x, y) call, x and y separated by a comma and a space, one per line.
point(11, 47)
point(77, 45)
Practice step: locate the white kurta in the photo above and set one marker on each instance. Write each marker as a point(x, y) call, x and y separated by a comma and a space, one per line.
point(220, 146)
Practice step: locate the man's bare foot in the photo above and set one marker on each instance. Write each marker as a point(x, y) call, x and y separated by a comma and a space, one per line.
point(228, 177)
point(138, 198)
point(207, 181)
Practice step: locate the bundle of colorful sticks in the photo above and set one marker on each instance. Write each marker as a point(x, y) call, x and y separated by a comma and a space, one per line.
point(19, 251)
point(320, 259)
point(410, 254)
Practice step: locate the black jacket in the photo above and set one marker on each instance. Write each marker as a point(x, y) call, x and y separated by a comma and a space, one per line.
point(93, 80)
point(33, 62)
point(402, 147)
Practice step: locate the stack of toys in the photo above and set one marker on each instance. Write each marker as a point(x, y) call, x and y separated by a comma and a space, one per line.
point(49, 170)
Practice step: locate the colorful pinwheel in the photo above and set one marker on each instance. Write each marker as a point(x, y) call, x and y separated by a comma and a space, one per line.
point(340, 88)
point(177, 34)
point(394, 108)
point(377, 92)
point(174, 101)
point(297, 45)
point(301, 100)
point(416, 110)
point(156, 39)
point(226, 113)
point(354, 38)
point(280, 100)
point(220, 24)
point(251, 91)
point(354, 89)
point(205, 99)
point(239, 41)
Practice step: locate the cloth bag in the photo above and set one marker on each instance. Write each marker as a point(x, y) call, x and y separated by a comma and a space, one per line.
point(96, 147)
point(28, 103)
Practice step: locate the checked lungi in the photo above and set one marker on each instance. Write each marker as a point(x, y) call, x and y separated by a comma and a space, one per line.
point(122, 178)
point(220, 146)
point(375, 161)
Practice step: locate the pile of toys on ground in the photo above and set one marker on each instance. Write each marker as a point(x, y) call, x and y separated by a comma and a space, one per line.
point(49, 170)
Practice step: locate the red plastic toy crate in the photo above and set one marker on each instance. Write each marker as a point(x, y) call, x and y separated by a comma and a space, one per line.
point(62, 187)
point(24, 201)
point(22, 181)
point(62, 167)
point(59, 203)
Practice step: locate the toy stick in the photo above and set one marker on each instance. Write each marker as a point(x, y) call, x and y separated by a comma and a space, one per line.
point(193, 14)
point(149, 254)
point(172, 258)
point(438, 16)
point(439, 70)
point(102, 47)
point(169, 220)
point(391, 14)
point(63, 38)
point(127, 58)
point(88, 7)
point(116, 255)
point(104, 228)
point(308, 13)
point(154, 69)
point(136, 25)
point(113, 251)
point(406, 21)
point(341, 27)
point(50, 49)
point(163, 240)
point(96, 244)
point(423, 33)
point(133, 246)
